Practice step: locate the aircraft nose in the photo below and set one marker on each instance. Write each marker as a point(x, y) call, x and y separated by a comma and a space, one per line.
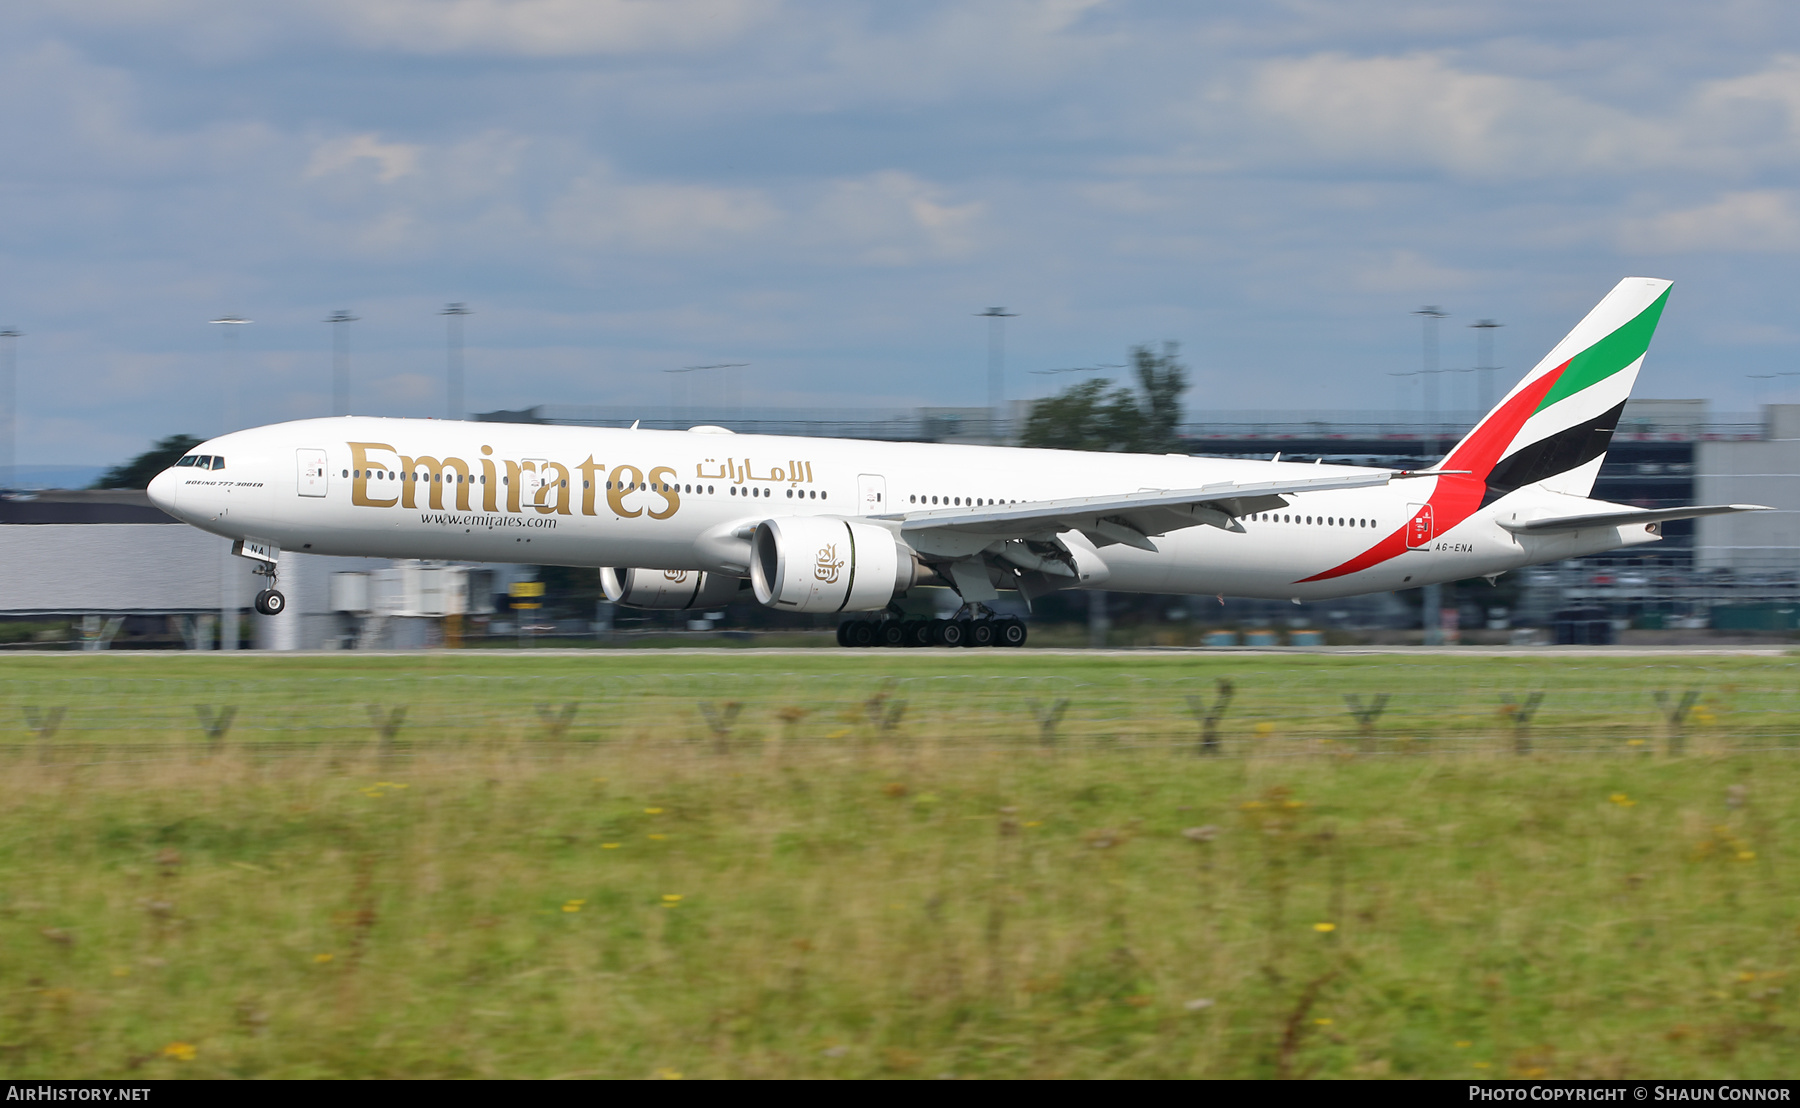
point(162, 491)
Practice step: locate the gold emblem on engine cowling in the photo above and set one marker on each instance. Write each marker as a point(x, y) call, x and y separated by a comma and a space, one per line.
point(678, 576)
point(827, 565)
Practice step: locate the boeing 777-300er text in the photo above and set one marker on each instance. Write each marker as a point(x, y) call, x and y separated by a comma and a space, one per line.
point(690, 519)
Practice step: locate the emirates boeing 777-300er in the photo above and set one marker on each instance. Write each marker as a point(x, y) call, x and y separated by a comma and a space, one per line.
point(690, 519)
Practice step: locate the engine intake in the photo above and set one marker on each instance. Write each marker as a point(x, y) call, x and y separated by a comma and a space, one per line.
point(821, 564)
point(668, 588)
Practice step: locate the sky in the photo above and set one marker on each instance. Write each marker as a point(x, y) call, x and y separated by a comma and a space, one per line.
point(831, 192)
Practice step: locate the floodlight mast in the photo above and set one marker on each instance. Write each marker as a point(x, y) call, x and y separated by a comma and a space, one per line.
point(453, 357)
point(340, 360)
point(996, 318)
point(229, 566)
point(1484, 360)
point(233, 375)
point(1431, 313)
point(9, 399)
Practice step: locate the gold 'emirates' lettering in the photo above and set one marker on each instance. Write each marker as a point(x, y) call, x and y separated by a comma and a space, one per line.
point(531, 483)
point(590, 471)
point(359, 485)
point(433, 474)
point(557, 487)
point(671, 493)
point(512, 486)
point(490, 484)
point(615, 496)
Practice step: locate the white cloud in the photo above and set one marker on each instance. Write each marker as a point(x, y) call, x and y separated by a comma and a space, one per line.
point(1418, 110)
point(393, 160)
point(895, 218)
point(599, 209)
point(544, 28)
point(1758, 221)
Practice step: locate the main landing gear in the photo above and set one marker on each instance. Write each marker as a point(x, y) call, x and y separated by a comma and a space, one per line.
point(984, 629)
point(269, 601)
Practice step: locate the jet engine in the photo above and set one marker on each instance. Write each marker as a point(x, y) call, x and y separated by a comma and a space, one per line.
point(668, 588)
point(821, 564)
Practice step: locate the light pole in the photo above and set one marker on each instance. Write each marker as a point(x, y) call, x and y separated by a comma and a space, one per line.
point(9, 401)
point(453, 355)
point(1484, 360)
point(233, 381)
point(1431, 314)
point(996, 318)
point(228, 599)
point(1431, 617)
point(340, 320)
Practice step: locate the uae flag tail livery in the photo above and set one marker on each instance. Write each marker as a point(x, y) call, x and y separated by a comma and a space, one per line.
point(1553, 429)
point(1526, 469)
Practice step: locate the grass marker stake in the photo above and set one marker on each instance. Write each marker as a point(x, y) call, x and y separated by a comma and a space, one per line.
point(720, 720)
point(1676, 716)
point(1366, 716)
point(387, 724)
point(44, 725)
point(556, 721)
point(1047, 719)
point(1210, 717)
point(216, 724)
point(1520, 714)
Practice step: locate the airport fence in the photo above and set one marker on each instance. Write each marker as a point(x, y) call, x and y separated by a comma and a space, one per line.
point(1253, 711)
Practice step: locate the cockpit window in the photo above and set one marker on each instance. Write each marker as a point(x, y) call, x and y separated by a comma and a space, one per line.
point(189, 460)
point(218, 462)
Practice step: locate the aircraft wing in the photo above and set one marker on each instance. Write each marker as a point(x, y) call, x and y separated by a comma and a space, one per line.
point(1129, 518)
point(1614, 519)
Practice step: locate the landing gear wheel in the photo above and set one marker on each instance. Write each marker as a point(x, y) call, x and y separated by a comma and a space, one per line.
point(918, 632)
point(1009, 632)
point(952, 632)
point(270, 603)
point(891, 633)
point(843, 633)
point(982, 633)
point(861, 633)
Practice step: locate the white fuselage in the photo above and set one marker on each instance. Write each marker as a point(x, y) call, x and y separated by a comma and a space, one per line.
point(577, 496)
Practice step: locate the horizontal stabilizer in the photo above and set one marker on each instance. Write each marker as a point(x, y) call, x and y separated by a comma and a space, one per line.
point(1625, 518)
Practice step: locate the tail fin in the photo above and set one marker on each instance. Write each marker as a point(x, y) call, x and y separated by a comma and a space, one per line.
point(1553, 429)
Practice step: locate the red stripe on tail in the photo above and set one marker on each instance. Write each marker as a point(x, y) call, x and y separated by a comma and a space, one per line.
point(1456, 498)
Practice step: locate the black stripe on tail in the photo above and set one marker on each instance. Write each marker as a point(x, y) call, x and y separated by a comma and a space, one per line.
point(1567, 449)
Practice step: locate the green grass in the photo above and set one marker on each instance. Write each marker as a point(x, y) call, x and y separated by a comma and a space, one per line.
point(883, 869)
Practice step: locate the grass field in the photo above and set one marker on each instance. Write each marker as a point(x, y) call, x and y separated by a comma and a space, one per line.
point(868, 864)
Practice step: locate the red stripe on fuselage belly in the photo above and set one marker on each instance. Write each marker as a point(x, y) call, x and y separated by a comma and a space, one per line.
point(1456, 498)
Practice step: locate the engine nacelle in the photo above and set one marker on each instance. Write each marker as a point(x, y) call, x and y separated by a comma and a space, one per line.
point(668, 588)
point(821, 564)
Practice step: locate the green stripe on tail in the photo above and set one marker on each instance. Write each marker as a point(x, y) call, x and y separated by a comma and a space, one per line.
point(1608, 356)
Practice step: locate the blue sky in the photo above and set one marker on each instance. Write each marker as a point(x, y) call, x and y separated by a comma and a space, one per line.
point(831, 191)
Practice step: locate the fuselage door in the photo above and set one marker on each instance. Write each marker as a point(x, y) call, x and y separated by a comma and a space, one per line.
point(871, 493)
point(1419, 530)
point(533, 482)
point(313, 478)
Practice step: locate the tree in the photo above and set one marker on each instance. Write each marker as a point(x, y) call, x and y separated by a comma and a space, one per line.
point(1096, 416)
point(136, 473)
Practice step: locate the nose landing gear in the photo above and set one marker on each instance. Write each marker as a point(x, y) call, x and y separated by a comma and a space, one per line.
point(269, 601)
